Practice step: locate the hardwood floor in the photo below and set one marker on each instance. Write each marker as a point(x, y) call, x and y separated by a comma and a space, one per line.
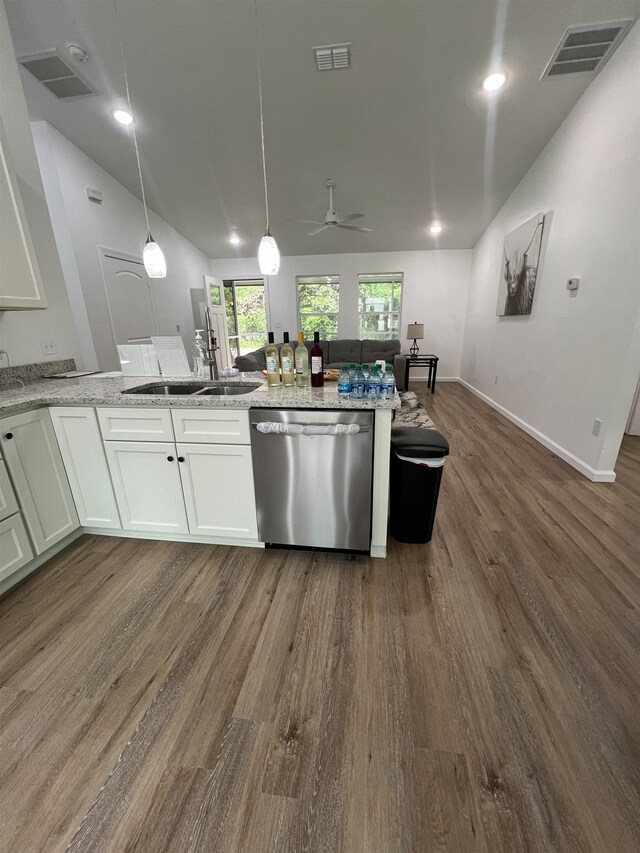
point(475, 695)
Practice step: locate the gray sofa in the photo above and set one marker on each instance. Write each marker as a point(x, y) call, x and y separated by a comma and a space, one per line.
point(338, 353)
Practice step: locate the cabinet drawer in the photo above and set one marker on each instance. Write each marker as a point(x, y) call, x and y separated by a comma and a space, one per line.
point(8, 502)
point(15, 550)
point(135, 424)
point(211, 426)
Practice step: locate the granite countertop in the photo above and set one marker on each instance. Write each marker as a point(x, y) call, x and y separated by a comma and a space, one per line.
point(97, 391)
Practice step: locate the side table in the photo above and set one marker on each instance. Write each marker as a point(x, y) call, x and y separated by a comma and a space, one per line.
point(430, 361)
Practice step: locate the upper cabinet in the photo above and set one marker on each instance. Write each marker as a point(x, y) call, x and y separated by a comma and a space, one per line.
point(20, 280)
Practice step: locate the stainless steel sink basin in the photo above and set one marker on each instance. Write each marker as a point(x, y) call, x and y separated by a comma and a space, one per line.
point(227, 390)
point(166, 390)
point(192, 389)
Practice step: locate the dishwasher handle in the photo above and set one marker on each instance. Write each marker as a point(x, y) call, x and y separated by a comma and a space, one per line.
point(285, 428)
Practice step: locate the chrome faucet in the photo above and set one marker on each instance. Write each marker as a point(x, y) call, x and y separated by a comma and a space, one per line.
point(210, 358)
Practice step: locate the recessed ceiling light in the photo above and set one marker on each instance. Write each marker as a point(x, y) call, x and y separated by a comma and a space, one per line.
point(436, 228)
point(123, 116)
point(493, 82)
point(234, 240)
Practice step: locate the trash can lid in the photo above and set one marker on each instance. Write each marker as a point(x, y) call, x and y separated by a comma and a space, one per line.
point(418, 443)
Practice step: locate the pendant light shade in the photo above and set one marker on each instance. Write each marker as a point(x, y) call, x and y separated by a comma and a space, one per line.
point(153, 257)
point(268, 255)
point(268, 252)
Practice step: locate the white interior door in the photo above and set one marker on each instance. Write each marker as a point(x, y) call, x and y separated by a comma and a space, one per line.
point(129, 298)
point(218, 318)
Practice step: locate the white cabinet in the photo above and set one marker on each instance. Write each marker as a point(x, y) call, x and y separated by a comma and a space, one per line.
point(135, 423)
point(78, 435)
point(213, 426)
point(20, 279)
point(217, 481)
point(15, 550)
point(8, 502)
point(32, 456)
point(146, 481)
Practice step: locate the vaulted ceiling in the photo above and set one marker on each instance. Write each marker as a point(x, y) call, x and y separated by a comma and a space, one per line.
point(407, 131)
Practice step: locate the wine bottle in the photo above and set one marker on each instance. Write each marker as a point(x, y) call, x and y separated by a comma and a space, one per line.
point(273, 362)
point(302, 363)
point(286, 359)
point(317, 362)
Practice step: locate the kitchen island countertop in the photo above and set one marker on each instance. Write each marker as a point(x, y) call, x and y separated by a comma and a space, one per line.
point(98, 391)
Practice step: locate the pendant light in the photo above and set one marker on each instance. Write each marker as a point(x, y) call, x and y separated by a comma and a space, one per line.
point(152, 255)
point(268, 252)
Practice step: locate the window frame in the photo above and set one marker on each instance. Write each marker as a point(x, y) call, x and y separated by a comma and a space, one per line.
point(380, 278)
point(321, 279)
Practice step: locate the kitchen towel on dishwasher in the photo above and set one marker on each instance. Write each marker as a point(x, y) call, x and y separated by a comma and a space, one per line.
point(308, 429)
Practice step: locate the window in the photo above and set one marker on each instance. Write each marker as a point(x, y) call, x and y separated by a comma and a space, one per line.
point(379, 304)
point(246, 315)
point(318, 305)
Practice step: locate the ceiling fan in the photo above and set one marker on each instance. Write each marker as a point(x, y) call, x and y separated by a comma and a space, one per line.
point(331, 219)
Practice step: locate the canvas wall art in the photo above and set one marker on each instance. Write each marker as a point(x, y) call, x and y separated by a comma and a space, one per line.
point(519, 272)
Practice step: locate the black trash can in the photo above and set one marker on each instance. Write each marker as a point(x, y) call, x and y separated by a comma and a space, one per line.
point(417, 460)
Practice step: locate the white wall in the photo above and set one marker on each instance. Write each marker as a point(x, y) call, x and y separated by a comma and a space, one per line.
point(118, 224)
point(434, 293)
point(22, 331)
point(576, 357)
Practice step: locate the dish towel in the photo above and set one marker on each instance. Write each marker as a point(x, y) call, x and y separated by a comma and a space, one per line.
point(308, 429)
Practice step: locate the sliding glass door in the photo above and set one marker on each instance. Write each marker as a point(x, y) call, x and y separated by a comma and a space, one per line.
point(245, 305)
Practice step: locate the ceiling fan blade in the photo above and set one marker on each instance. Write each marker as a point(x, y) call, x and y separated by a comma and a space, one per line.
point(353, 228)
point(350, 217)
point(318, 230)
point(307, 221)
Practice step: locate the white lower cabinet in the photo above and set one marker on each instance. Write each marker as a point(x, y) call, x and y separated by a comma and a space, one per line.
point(80, 442)
point(15, 550)
point(147, 485)
point(8, 502)
point(33, 459)
point(217, 481)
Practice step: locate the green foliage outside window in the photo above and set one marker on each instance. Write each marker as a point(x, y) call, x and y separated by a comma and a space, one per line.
point(379, 303)
point(319, 305)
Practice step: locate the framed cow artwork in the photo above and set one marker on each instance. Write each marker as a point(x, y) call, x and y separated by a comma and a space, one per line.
point(519, 271)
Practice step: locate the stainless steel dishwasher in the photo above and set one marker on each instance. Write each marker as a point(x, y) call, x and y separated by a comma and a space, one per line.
point(313, 490)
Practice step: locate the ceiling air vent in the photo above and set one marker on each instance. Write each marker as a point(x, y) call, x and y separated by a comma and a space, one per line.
point(332, 56)
point(586, 48)
point(58, 77)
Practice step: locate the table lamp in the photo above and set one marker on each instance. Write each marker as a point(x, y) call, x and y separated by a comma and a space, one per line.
point(415, 331)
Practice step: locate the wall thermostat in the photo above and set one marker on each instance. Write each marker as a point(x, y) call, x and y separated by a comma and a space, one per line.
point(573, 283)
point(94, 195)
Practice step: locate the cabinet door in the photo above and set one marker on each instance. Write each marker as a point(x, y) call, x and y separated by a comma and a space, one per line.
point(32, 456)
point(217, 481)
point(15, 550)
point(78, 435)
point(146, 481)
point(8, 502)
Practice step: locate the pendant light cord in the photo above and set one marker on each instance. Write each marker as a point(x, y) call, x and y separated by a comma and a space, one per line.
point(264, 159)
point(133, 126)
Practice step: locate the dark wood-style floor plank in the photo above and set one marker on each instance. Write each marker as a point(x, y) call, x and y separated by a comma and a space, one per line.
point(478, 694)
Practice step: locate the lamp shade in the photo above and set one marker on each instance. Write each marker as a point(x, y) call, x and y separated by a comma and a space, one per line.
point(415, 331)
point(153, 257)
point(268, 255)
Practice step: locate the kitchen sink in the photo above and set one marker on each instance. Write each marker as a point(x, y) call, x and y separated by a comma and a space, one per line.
point(191, 389)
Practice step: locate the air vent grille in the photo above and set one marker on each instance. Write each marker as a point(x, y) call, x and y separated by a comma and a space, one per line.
point(586, 48)
point(56, 75)
point(330, 57)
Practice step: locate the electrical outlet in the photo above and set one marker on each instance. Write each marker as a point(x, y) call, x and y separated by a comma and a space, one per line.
point(495, 381)
point(596, 426)
point(48, 347)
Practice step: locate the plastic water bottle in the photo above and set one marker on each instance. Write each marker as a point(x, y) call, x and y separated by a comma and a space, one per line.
point(352, 374)
point(373, 385)
point(344, 384)
point(358, 384)
point(387, 384)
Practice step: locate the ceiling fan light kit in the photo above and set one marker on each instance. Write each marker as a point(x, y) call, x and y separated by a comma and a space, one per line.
point(331, 219)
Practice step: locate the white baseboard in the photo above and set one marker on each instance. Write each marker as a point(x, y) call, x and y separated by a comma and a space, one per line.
point(595, 474)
